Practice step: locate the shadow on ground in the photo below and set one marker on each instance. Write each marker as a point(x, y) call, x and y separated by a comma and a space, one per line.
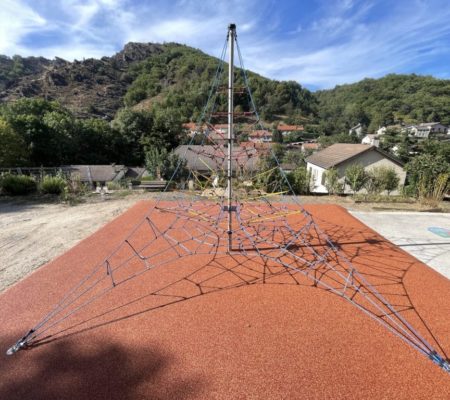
point(91, 370)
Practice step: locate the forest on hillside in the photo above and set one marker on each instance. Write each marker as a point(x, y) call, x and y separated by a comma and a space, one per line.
point(393, 99)
point(179, 79)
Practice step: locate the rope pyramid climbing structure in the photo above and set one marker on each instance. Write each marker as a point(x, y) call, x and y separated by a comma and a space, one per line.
point(228, 210)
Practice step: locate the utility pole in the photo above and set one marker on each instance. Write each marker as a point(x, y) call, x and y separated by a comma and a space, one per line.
point(231, 39)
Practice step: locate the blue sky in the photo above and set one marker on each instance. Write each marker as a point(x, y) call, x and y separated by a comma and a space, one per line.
point(319, 43)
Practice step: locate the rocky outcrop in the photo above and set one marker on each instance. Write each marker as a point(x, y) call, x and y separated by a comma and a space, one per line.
point(89, 88)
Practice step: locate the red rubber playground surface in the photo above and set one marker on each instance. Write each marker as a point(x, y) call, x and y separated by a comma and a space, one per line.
point(185, 331)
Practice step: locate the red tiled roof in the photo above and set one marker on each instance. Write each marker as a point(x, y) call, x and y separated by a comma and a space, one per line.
point(260, 133)
point(189, 125)
point(290, 128)
point(310, 146)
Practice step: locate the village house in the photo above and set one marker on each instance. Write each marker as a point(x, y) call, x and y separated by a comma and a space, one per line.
point(371, 140)
point(261, 136)
point(428, 129)
point(424, 130)
point(309, 148)
point(206, 159)
point(381, 130)
point(191, 128)
point(341, 155)
point(358, 130)
point(289, 129)
point(94, 175)
point(222, 128)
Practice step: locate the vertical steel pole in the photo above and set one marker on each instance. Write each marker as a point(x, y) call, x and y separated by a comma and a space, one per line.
point(231, 38)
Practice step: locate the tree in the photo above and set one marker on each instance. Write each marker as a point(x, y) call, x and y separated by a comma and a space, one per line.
point(13, 149)
point(332, 181)
point(173, 167)
point(326, 141)
point(435, 148)
point(355, 176)
point(295, 157)
point(380, 179)
point(45, 127)
point(161, 164)
point(277, 137)
point(391, 180)
point(424, 171)
point(154, 158)
point(299, 180)
point(133, 127)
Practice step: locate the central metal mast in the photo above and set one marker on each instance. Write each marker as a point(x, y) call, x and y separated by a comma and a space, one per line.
point(231, 39)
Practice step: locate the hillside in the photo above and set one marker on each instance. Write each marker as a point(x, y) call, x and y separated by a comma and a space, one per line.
point(88, 88)
point(141, 74)
point(384, 101)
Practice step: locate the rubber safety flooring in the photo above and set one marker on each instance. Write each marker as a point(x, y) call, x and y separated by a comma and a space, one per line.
point(221, 329)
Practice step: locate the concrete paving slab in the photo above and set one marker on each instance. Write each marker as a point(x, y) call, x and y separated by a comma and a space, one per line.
point(412, 231)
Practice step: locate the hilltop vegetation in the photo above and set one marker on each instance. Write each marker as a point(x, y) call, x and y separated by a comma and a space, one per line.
point(179, 78)
point(379, 102)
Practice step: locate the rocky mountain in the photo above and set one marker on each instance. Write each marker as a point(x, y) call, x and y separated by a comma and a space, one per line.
point(89, 88)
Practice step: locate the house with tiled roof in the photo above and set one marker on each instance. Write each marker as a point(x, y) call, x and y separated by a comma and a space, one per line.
point(285, 129)
point(191, 128)
point(310, 147)
point(261, 136)
point(97, 174)
point(341, 155)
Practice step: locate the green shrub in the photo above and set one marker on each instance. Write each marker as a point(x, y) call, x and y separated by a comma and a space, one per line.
point(300, 180)
point(17, 185)
point(355, 177)
point(381, 179)
point(53, 184)
point(74, 190)
point(332, 182)
point(113, 185)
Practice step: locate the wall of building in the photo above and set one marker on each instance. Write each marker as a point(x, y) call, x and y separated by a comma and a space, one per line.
point(317, 178)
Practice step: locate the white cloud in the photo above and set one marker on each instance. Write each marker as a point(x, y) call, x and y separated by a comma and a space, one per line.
point(351, 51)
point(338, 44)
point(16, 21)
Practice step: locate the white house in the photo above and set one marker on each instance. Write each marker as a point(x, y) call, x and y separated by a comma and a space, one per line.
point(424, 130)
point(341, 155)
point(260, 136)
point(357, 129)
point(371, 140)
point(381, 130)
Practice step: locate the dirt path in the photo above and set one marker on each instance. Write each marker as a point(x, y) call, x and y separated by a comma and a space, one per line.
point(33, 234)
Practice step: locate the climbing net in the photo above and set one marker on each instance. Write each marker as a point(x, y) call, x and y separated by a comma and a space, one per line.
point(264, 227)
